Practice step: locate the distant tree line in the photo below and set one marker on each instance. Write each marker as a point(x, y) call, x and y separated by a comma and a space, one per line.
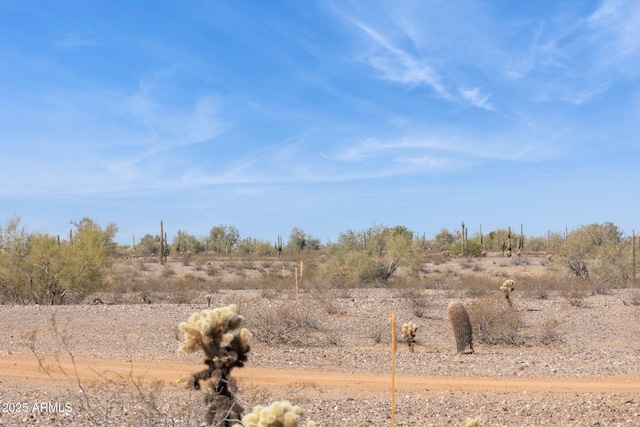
point(40, 268)
point(226, 240)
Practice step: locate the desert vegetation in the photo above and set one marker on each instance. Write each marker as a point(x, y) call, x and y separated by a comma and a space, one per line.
point(225, 344)
point(40, 268)
point(461, 325)
point(36, 267)
point(316, 306)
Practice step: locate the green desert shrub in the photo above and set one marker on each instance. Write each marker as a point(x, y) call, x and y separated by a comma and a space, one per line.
point(504, 240)
point(256, 247)
point(149, 245)
point(474, 248)
point(185, 243)
point(598, 251)
point(369, 257)
point(222, 239)
point(300, 241)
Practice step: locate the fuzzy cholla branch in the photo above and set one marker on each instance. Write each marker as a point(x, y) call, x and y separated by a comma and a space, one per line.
point(218, 335)
point(473, 422)
point(278, 414)
point(507, 287)
point(409, 334)
point(212, 332)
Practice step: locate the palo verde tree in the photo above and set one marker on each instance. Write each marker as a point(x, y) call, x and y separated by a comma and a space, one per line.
point(372, 255)
point(223, 238)
point(504, 240)
point(185, 243)
point(14, 269)
point(548, 243)
point(45, 269)
point(148, 245)
point(83, 261)
point(600, 249)
point(473, 248)
point(299, 241)
point(253, 246)
point(443, 240)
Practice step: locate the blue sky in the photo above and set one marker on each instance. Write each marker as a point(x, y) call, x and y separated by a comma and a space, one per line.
point(322, 115)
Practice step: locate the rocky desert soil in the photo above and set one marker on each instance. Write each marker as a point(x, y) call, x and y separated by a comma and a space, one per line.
point(117, 364)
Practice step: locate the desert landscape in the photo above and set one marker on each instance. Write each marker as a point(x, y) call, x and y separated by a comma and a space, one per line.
point(112, 358)
point(319, 213)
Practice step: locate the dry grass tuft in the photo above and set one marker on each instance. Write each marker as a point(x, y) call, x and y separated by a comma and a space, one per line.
point(634, 297)
point(495, 321)
point(287, 323)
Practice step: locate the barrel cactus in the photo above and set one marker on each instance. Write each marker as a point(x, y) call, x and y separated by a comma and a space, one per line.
point(461, 324)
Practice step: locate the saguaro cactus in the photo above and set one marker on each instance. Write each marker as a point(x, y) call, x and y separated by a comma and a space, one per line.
point(521, 239)
point(278, 247)
point(164, 248)
point(461, 324)
point(463, 243)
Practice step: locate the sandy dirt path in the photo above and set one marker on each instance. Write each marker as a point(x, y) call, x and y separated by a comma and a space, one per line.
point(25, 367)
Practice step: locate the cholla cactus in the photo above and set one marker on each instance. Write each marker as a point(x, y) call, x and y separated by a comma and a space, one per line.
point(218, 334)
point(473, 422)
point(409, 334)
point(507, 287)
point(278, 414)
point(461, 324)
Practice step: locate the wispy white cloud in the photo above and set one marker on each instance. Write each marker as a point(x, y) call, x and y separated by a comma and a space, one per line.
point(74, 41)
point(428, 162)
point(163, 129)
point(445, 149)
point(403, 55)
point(575, 57)
point(615, 34)
point(364, 100)
point(540, 50)
point(476, 98)
point(399, 66)
point(579, 96)
point(105, 142)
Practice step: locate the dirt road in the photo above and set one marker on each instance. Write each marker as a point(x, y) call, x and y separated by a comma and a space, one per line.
point(25, 367)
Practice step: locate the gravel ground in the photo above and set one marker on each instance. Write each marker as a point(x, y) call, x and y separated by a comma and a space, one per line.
point(346, 332)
